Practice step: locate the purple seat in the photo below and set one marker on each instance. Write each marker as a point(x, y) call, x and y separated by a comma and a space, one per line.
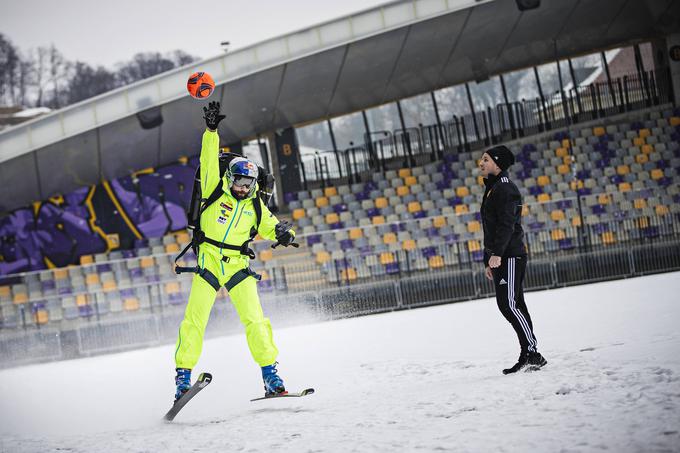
point(129, 254)
point(564, 204)
point(620, 215)
point(64, 291)
point(535, 190)
point(451, 238)
point(650, 232)
point(397, 227)
point(449, 158)
point(136, 272)
point(153, 278)
point(48, 285)
point(477, 216)
point(372, 212)
point(85, 311)
point(443, 167)
point(103, 268)
point(346, 244)
point(529, 147)
point(565, 244)
point(370, 185)
point(455, 201)
point(361, 196)
point(337, 226)
point(290, 196)
point(392, 268)
point(602, 163)
point(338, 208)
point(313, 239)
point(442, 185)
point(617, 179)
point(127, 292)
point(662, 164)
point(665, 181)
point(419, 215)
point(365, 251)
point(583, 191)
point(599, 209)
point(583, 174)
point(534, 226)
point(478, 256)
point(636, 126)
point(600, 228)
point(429, 251)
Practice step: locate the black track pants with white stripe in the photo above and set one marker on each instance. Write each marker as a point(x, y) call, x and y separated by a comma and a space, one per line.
point(508, 280)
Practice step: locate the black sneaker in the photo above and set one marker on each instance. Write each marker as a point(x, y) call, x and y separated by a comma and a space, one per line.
point(535, 361)
point(522, 362)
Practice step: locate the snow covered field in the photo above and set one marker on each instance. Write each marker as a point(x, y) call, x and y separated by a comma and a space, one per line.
point(421, 380)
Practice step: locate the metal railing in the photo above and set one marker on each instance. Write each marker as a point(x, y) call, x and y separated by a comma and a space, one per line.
point(413, 146)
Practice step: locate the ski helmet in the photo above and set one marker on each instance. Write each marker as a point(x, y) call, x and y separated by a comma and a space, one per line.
point(242, 172)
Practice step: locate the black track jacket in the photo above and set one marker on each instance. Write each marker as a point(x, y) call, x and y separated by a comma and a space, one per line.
point(501, 218)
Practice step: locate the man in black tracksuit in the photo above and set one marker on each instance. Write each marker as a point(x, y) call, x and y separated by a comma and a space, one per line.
point(505, 255)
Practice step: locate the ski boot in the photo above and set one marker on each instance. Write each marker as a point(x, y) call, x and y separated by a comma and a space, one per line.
point(182, 381)
point(535, 361)
point(273, 384)
point(522, 362)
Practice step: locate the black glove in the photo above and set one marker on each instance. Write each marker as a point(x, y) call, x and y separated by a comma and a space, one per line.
point(284, 236)
point(211, 115)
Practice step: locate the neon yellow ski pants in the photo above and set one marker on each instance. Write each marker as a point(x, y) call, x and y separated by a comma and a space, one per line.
point(247, 303)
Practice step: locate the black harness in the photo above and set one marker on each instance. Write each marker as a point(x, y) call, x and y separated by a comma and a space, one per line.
point(199, 237)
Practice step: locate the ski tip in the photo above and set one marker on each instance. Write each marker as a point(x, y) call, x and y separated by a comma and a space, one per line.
point(205, 377)
point(306, 392)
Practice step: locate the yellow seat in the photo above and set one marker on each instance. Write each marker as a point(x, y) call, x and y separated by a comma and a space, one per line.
point(266, 255)
point(20, 298)
point(625, 187)
point(81, 299)
point(525, 210)
point(462, 191)
point(183, 237)
point(264, 274)
point(603, 198)
point(557, 215)
point(675, 121)
point(386, 258)
point(172, 248)
point(543, 197)
point(86, 259)
point(330, 191)
point(60, 273)
point(639, 141)
point(321, 202)
point(414, 206)
point(563, 169)
point(661, 210)
point(322, 257)
point(130, 304)
point(348, 274)
point(410, 180)
point(567, 160)
point(623, 169)
point(642, 133)
point(640, 203)
point(389, 238)
point(436, 262)
point(172, 288)
point(598, 131)
point(557, 234)
point(576, 184)
point(566, 143)
point(381, 202)
point(298, 213)
point(41, 317)
point(647, 149)
point(404, 172)
point(473, 226)
point(356, 233)
point(146, 261)
point(461, 209)
point(642, 222)
point(608, 238)
point(439, 221)
point(543, 180)
point(408, 245)
point(403, 191)
point(656, 174)
point(332, 217)
point(561, 152)
point(378, 220)
point(641, 158)
point(474, 245)
point(576, 221)
point(4, 291)
point(109, 285)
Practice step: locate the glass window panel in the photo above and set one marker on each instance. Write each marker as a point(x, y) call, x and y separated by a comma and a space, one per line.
point(383, 118)
point(452, 101)
point(486, 94)
point(418, 110)
point(314, 137)
point(349, 130)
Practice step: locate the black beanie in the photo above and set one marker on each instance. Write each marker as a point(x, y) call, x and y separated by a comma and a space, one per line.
point(502, 156)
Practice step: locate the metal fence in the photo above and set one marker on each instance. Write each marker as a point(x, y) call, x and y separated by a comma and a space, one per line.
point(417, 145)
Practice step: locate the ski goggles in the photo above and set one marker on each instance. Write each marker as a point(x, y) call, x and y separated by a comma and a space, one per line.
point(244, 181)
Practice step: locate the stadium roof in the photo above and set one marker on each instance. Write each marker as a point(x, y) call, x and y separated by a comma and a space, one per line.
point(386, 53)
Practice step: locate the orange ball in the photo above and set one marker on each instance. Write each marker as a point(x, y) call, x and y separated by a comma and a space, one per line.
point(200, 85)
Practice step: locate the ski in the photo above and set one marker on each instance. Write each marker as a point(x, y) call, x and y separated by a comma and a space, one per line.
point(203, 380)
point(305, 392)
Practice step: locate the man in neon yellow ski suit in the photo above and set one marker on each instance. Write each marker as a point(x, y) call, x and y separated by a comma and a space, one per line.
point(228, 221)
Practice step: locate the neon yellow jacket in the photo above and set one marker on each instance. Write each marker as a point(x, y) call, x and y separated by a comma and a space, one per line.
point(228, 220)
